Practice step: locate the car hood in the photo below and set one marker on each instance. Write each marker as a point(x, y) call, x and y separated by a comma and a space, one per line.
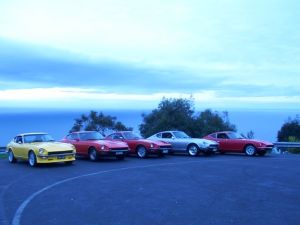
point(112, 144)
point(53, 146)
point(257, 141)
point(156, 142)
point(197, 141)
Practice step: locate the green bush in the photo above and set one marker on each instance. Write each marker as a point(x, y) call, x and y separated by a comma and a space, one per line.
point(293, 150)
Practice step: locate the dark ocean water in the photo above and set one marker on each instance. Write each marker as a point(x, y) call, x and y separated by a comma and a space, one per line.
point(265, 124)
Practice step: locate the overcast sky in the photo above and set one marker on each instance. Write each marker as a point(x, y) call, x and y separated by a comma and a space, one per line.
point(129, 54)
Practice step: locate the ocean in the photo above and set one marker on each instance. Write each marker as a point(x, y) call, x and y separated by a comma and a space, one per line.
point(264, 124)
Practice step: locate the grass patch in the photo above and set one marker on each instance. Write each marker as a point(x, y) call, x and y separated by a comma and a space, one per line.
point(3, 156)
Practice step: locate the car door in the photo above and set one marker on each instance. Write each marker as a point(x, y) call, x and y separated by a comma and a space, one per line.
point(74, 140)
point(19, 147)
point(223, 140)
point(169, 137)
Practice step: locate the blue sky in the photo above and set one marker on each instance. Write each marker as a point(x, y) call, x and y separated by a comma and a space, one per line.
point(130, 54)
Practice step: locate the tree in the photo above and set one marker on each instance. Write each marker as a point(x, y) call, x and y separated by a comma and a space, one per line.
point(208, 122)
point(171, 114)
point(179, 114)
point(290, 130)
point(95, 121)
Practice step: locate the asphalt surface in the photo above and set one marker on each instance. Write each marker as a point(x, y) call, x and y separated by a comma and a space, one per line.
point(220, 189)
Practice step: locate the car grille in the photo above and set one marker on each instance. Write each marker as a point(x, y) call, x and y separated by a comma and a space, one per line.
point(125, 148)
point(60, 152)
point(214, 146)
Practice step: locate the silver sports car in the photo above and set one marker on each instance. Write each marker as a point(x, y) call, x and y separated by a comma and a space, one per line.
point(182, 143)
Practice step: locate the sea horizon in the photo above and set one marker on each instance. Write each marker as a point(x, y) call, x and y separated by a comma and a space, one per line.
point(264, 123)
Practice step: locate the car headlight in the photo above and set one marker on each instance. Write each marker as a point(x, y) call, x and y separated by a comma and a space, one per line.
point(42, 151)
point(151, 145)
point(104, 148)
point(205, 144)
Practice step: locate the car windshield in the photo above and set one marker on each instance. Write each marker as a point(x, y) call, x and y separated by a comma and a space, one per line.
point(180, 134)
point(233, 135)
point(37, 138)
point(90, 136)
point(131, 136)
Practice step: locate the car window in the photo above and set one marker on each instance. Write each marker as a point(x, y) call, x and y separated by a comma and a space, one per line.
point(214, 135)
point(117, 136)
point(72, 136)
point(18, 139)
point(158, 135)
point(222, 136)
point(166, 135)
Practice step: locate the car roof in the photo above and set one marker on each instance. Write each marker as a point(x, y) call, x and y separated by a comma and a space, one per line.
point(33, 133)
point(85, 131)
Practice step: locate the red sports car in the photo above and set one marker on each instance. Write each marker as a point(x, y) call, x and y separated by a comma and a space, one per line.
point(93, 145)
point(232, 142)
point(138, 145)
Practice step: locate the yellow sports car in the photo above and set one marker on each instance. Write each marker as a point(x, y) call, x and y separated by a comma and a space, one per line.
point(39, 148)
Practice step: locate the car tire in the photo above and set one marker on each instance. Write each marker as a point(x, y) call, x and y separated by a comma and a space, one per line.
point(261, 153)
point(32, 159)
point(93, 154)
point(141, 152)
point(11, 157)
point(250, 150)
point(193, 150)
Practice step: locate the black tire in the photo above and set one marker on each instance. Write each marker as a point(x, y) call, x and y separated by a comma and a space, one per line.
point(250, 150)
point(32, 159)
point(141, 152)
point(261, 153)
point(11, 157)
point(193, 150)
point(93, 154)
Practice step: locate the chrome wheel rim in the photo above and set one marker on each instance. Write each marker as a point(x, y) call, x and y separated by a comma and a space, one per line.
point(193, 150)
point(141, 152)
point(31, 159)
point(93, 155)
point(250, 150)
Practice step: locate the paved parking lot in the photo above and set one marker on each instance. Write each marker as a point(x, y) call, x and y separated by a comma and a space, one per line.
point(221, 189)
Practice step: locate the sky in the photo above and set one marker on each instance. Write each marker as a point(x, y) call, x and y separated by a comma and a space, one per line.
point(130, 54)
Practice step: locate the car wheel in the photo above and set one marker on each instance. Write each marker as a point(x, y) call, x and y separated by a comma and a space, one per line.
point(11, 157)
point(250, 150)
point(141, 152)
point(93, 155)
point(261, 153)
point(32, 159)
point(193, 150)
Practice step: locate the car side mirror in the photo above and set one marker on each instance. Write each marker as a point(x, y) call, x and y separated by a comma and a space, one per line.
point(173, 138)
point(20, 142)
point(76, 139)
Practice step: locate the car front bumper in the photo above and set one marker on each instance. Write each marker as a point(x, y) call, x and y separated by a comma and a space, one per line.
point(116, 153)
point(161, 150)
point(55, 158)
point(265, 149)
point(210, 149)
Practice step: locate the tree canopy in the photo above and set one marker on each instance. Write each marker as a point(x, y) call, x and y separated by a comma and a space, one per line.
point(179, 114)
point(95, 121)
point(290, 130)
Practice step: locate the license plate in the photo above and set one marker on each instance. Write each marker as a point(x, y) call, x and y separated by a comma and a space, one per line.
point(165, 151)
point(61, 157)
point(119, 153)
